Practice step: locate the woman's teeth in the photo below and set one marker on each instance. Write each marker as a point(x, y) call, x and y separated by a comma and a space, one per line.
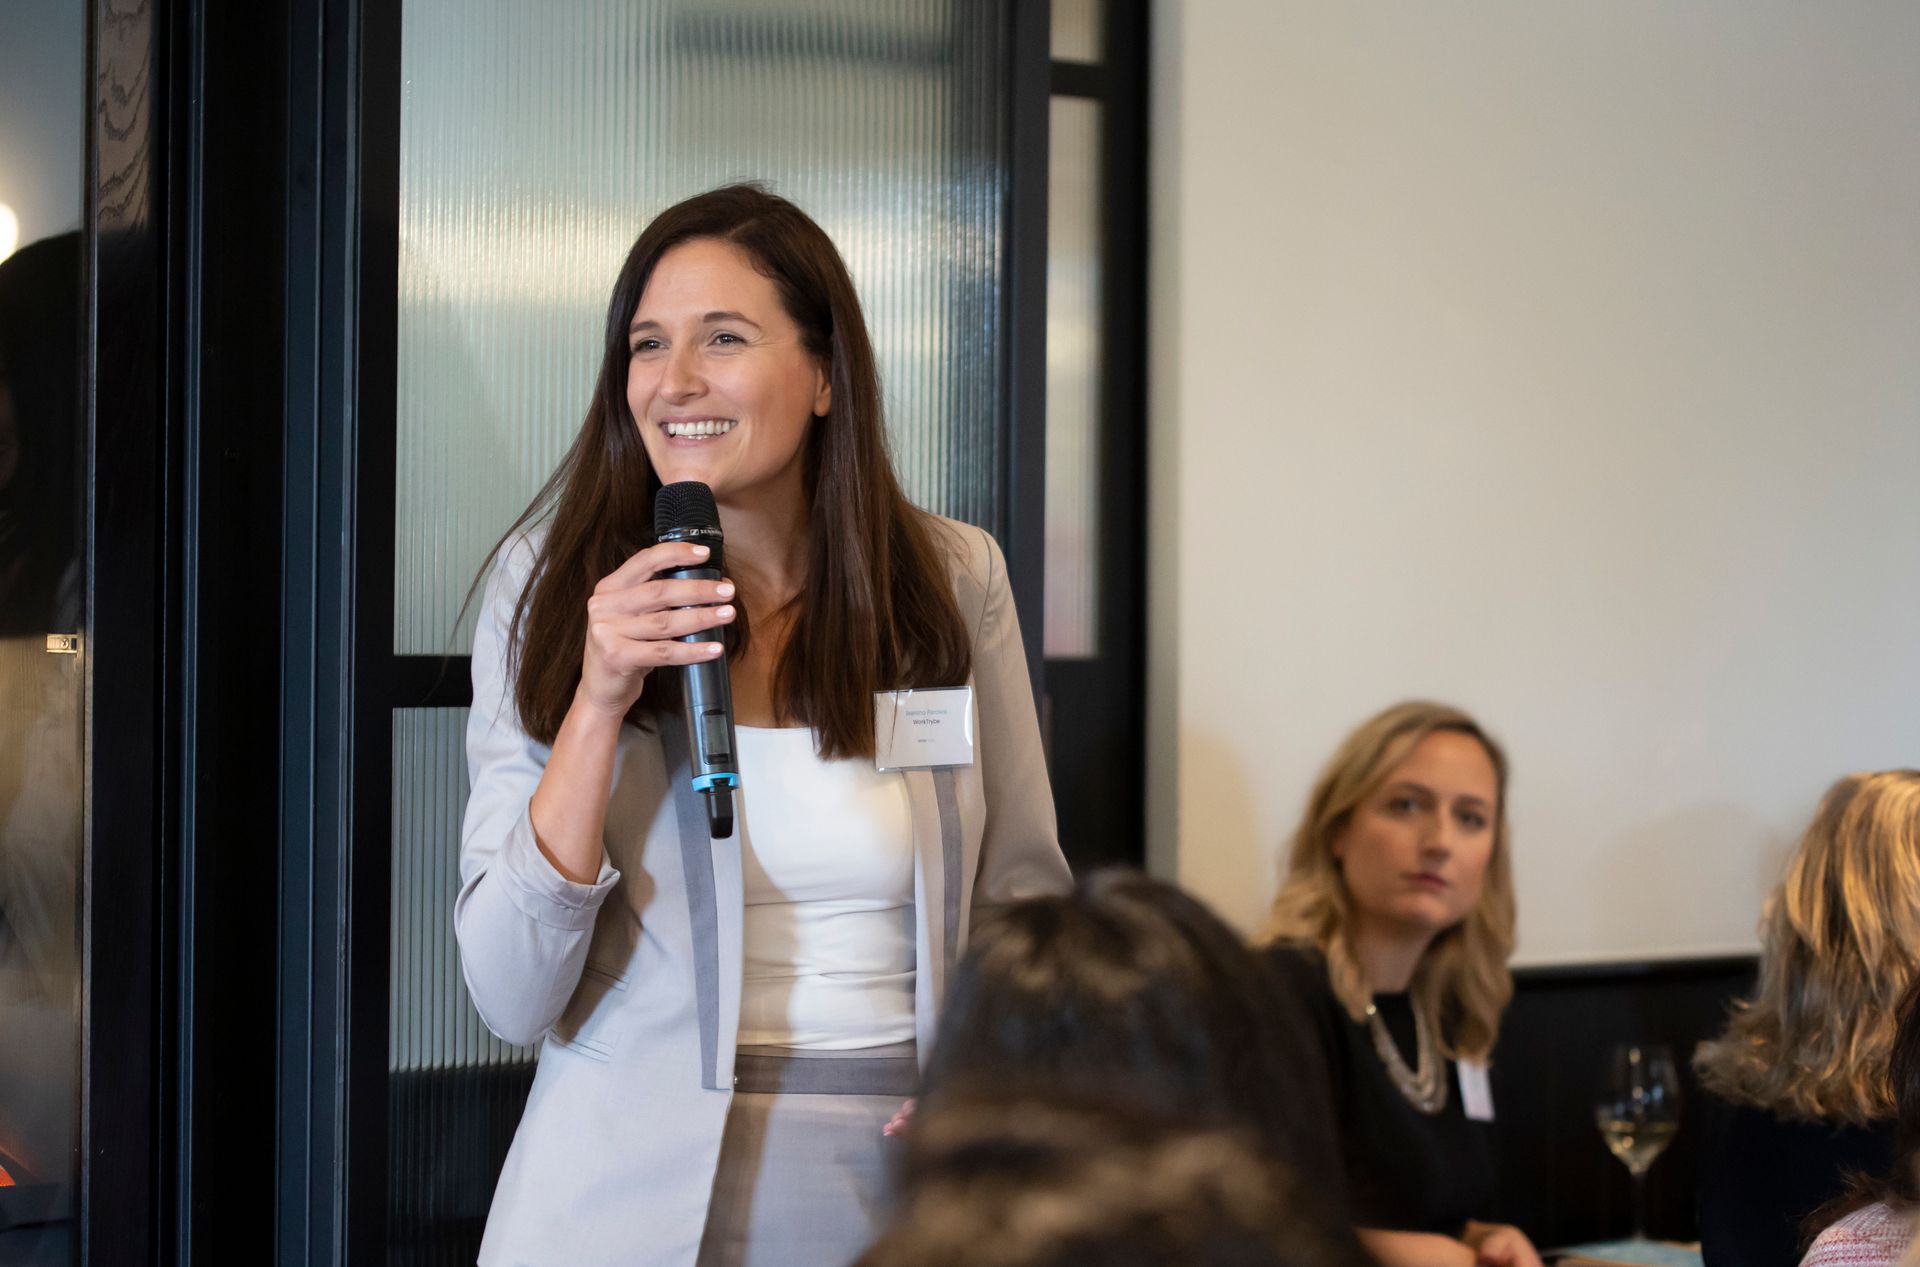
point(705, 427)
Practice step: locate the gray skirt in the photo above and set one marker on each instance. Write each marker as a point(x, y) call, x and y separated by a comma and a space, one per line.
point(806, 1171)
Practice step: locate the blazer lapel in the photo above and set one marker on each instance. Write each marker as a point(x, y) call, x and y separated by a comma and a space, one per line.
point(938, 884)
point(716, 899)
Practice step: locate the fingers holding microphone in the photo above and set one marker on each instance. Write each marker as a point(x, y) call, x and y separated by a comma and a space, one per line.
point(634, 623)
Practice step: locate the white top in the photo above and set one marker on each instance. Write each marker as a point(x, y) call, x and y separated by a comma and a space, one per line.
point(826, 850)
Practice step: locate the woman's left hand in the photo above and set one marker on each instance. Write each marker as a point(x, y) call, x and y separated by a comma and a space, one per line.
point(1501, 1245)
point(901, 1121)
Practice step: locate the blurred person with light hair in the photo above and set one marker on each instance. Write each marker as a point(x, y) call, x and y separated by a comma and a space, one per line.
point(1393, 927)
point(1800, 1089)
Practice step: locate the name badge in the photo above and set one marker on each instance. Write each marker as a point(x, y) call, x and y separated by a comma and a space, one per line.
point(1476, 1090)
point(920, 730)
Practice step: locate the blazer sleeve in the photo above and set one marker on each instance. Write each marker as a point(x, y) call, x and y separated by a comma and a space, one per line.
point(1020, 845)
point(523, 928)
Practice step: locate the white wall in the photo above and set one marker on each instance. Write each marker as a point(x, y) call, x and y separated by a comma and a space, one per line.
point(1560, 361)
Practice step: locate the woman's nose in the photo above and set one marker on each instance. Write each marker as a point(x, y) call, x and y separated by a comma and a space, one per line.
point(680, 379)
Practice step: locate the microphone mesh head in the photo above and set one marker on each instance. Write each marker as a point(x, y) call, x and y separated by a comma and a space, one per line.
point(685, 505)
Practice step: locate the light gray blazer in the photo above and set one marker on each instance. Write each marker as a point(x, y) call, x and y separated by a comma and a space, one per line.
point(634, 981)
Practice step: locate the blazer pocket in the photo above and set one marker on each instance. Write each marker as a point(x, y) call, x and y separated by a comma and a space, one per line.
point(589, 1026)
point(590, 1048)
point(615, 979)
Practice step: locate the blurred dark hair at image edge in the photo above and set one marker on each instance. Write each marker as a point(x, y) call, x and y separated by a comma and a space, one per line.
point(1129, 989)
point(40, 487)
point(1024, 1180)
point(1130, 997)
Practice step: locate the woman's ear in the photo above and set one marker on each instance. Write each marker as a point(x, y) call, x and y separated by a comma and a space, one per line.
point(822, 392)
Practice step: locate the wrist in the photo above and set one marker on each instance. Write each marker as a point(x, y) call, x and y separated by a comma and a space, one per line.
point(593, 717)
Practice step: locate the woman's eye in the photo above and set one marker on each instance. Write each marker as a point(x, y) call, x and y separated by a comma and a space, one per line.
point(645, 345)
point(726, 338)
point(1473, 819)
point(1401, 805)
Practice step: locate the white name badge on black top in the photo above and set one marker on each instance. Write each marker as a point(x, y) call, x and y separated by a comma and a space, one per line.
point(1476, 1090)
point(922, 730)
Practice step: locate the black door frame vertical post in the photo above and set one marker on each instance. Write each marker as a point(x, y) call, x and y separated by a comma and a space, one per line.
point(1024, 323)
point(125, 244)
point(1098, 698)
point(377, 206)
point(337, 633)
point(229, 195)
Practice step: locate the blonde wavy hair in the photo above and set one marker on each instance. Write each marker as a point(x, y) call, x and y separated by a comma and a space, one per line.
point(1462, 983)
point(1839, 945)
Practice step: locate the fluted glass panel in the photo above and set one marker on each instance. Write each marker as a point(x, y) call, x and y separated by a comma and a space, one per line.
point(432, 1023)
point(536, 140)
point(1073, 380)
point(1076, 30)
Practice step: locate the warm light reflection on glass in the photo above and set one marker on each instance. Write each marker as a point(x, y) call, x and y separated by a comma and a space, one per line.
point(9, 230)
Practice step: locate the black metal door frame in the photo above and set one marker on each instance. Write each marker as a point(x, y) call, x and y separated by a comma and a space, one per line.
point(124, 646)
point(232, 1093)
point(190, 170)
point(342, 243)
point(1096, 705)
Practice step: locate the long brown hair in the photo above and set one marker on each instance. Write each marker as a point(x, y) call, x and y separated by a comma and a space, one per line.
point(876, 611)
point(1462, 981)
point(1839, 946)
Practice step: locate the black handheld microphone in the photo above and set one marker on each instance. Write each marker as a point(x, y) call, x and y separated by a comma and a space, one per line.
point(685, 512)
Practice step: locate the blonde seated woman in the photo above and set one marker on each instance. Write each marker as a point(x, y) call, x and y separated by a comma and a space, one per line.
point(1801, 1098)
point(1394, 925)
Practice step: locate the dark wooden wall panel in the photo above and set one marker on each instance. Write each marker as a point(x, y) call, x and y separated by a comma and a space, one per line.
point(1557, 1180)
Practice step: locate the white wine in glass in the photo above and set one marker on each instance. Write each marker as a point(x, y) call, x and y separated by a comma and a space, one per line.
point(1639, 1114)
point(1635, 1143)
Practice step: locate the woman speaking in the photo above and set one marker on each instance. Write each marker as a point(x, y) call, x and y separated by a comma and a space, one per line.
point(730, 1023)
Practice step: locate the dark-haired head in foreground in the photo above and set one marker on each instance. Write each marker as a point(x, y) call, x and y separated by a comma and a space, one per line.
point(1128, 990)
point(1038, 1183)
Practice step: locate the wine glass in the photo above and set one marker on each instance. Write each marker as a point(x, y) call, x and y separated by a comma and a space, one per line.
point(1639, 1114)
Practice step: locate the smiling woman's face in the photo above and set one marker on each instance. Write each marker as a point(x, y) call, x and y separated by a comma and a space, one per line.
point(1416, 851)
point(719, 380)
